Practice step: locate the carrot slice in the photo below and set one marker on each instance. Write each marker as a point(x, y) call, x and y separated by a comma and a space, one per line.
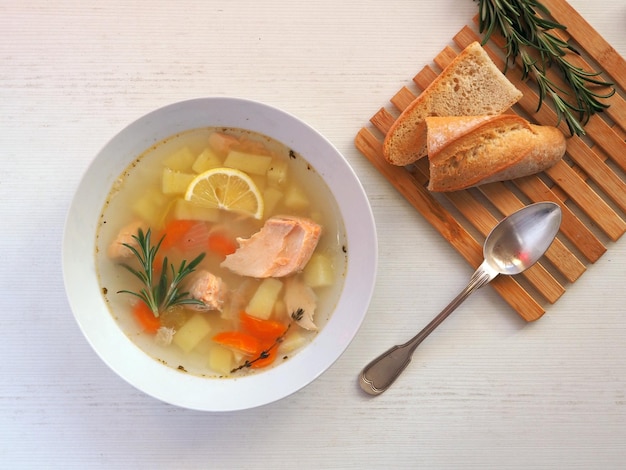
point(195, 239)
point(175, 231)
point(244, 342)
point(262, 329)
point(265, 355)
point(146, 318)
point(221, 244)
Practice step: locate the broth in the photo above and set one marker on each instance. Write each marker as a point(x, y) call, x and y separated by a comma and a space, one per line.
point(149, 193)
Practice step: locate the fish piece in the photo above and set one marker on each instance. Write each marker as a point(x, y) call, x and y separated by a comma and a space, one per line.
point(116, 249)
point(282, 247)
point(208, 288)
point(299, 296)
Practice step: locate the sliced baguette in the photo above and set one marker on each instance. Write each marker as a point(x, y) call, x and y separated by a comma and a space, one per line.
point(471, 85)
point(470, 151)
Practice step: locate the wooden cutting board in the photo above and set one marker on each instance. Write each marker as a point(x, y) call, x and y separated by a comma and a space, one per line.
point(589, 183)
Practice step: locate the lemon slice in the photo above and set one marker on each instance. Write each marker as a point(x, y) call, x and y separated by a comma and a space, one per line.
point(227, 189)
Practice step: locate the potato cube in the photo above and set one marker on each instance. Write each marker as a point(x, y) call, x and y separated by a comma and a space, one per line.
point(292, 341)
point(262, 302)
point(222, 143)
point(271, 197)
point(319, 271)
point(280, 309)
point(185, 210)
point(191, 333)
point(181, 160)
point(259, 181)
point(207, 160)
point(175, 182)
point(221, 359)
point(250, 163)
point(295, 198)
point(277, 173)
point(150, 207)
point(203, 348)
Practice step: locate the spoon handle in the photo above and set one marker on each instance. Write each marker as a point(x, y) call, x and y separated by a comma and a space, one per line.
point(379, 374)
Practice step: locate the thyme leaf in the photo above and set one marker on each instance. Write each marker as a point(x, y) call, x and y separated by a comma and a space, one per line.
point(529, 37)
point(161, 293)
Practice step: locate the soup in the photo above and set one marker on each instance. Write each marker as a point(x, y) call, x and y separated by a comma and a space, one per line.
point(220, 252)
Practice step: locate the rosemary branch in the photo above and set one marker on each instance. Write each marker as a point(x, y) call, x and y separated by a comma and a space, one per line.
point(159, 294)
point(528, 37)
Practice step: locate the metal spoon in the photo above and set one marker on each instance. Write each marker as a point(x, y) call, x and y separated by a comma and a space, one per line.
point(512, 246)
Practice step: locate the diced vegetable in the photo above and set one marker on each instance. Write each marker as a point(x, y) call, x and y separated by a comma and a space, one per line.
point(205, 161)
point(228, 313)
point(150, 206)
point(250, 163)
point(260, 181)
point(174, 317)
point(262, 329)
point(277, 173)
point(146, 319)
point(293, 340)
point(195, 239)
point(221, 359)
point(175, 231)
point(295, 198)
point(264, 356)
point(221, 244)
point(175, 182)
point(280, 309)
point(319, 271)
point(243, 342)
point(262, 302)
point(222, 143)
point(181, 160)
point(271, 197)
point(192, 332)
point(188, 210)
point(204, 347)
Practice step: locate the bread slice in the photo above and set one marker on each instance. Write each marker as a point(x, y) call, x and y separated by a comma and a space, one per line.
point(475, 150)
point(471, 85)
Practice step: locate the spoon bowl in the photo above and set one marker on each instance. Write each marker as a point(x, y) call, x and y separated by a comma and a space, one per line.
point(513, 245)
point(519, 240)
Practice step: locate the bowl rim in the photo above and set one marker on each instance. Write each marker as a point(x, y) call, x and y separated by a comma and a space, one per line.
point(162, 381)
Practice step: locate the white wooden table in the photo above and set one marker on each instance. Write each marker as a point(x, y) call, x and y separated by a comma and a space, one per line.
point(485, 391)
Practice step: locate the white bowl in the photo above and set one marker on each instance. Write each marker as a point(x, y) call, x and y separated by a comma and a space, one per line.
point(161, 381)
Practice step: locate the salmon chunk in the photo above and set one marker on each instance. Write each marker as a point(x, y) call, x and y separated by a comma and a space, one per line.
point(208, 288)
point(116, 249)
point(282, 247)
point(301, 299)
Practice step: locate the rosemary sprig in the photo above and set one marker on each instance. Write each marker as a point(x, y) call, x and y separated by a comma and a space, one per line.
point(296, 316)
point(159, 294)
point(529, 37)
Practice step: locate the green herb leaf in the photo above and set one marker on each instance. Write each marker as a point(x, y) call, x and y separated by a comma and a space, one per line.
point(528, 38)
point(162, 294)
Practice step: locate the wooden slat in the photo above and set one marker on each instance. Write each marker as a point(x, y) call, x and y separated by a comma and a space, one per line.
point(592, 204)
point(571, 226)
point(483, 220)
point(427, 75)
point(584, 182)
point(517, 297)
point(563, 259)
point(601, 133)
point(594, 44)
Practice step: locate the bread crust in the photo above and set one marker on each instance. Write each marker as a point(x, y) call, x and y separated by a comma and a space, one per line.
point(470, 85)
point(470, 151)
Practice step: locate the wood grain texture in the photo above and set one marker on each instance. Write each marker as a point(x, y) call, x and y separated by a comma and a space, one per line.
point(567, 183)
